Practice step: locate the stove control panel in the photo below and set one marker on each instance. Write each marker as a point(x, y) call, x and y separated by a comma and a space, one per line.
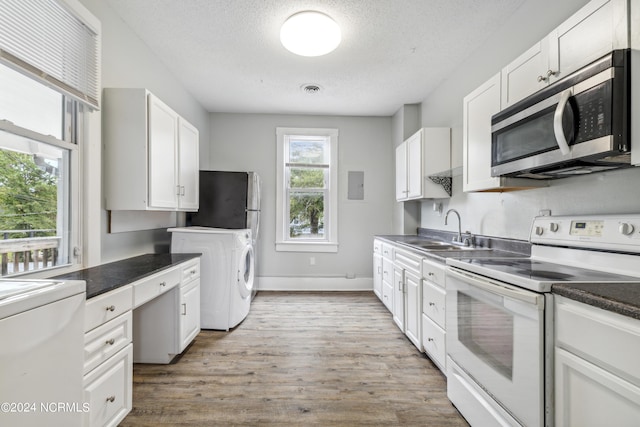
point(608, 232)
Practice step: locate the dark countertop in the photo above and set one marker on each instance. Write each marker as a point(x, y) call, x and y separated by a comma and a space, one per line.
point(621, 298)
point(107, 277)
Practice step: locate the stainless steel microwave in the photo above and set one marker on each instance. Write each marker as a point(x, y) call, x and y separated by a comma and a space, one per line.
point(578, 125)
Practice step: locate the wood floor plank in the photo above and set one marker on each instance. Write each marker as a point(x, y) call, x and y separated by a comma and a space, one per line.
point(300, 358)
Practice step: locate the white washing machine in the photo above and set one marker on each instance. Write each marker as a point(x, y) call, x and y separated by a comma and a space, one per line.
point(226, 275)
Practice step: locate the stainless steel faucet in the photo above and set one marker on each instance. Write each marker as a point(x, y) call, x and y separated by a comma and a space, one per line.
point(459, 238)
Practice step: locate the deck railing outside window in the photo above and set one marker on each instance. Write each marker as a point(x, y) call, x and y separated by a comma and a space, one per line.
point(37, 251)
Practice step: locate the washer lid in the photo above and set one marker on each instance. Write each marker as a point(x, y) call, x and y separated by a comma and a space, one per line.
point(17, 296)
point(11, 288)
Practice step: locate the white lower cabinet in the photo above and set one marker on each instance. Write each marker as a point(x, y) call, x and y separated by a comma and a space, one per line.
point(413, 307)
point(398, 297)
point(164, 325)
point(433, 341)
point(189, 317)
point(377, 268)
point(597, 375)
point(433, 312)
point(108, 390)
point(108, 357)
point(407, 301)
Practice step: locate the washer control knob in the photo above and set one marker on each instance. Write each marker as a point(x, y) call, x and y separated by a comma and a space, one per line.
point(539, 230)
point(553, 227)
point(626, 228)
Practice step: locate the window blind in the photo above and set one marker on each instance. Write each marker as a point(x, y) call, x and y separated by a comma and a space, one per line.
point(50, 41)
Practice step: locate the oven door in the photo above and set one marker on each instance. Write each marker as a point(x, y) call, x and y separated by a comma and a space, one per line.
point(495, 333)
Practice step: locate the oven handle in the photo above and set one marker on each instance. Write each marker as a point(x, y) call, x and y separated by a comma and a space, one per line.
point(497, 288)
point(557, 122)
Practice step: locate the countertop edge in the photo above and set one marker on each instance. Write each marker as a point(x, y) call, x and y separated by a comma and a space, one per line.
point(107, 277)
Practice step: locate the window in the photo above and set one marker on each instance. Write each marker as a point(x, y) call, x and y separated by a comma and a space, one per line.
point(307, 211)
point(37, 154)
point(49, 81)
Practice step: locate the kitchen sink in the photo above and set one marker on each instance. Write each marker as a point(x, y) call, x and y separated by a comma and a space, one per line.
point(435, 245)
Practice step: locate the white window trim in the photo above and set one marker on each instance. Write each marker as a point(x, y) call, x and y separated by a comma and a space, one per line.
point(330, 244)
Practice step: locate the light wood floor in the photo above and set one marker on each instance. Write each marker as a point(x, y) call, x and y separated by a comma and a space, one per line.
point(328, 359)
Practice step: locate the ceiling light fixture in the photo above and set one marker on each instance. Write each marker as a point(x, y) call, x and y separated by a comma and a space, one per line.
point(310, 34)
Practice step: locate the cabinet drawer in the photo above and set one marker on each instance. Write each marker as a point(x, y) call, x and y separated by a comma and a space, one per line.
point(106, 340)
point(433, 272)
point(433, 304)
point(152, 286)
point(408, 261)
point(377, 247)
point(607, 339)
point(387, 250)
point(191, 271)
point(107, 306)
point(433, 341)
point(108, 390)
point(387, 270)
point(387, 296)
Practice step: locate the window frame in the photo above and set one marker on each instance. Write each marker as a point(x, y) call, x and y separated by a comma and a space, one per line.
point(283, 241)
point(71, 195)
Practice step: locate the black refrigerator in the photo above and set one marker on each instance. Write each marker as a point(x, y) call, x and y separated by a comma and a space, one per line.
point(228, 200)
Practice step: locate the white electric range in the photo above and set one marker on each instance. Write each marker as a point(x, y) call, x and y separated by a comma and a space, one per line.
point(500, 314)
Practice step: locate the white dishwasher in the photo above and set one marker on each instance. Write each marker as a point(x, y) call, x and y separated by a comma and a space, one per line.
point(41, 355)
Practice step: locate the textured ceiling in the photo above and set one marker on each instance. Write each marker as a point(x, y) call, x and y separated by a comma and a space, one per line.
point(227, 53)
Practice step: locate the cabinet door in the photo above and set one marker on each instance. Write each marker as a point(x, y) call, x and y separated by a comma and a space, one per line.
point(377, 275)
point(163, 134)
point(592, 32)
point(398, 297)
point(188, 166)
point(526, 74)
point(401, 171)
point(189, 313)
point(414, 166)
point(589, 396)
point(414, 304)
point(478, 107)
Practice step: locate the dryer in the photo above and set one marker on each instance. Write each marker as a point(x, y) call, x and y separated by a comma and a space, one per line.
point(227, 272)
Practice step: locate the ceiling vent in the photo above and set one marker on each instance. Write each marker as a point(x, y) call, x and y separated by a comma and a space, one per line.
point(311, 89)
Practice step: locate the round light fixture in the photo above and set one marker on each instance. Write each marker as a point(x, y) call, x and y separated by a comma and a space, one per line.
point(310, 34)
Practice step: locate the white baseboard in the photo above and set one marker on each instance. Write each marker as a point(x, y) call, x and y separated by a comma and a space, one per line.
point(266, 283)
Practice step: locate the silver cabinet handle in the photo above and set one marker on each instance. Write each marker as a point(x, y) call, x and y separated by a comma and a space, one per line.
point(430, 339)
point(111, 308)
point(110, 341)
point(111, 399)
point(551, 73)
point(184, 309)
point(431, 304)
point(542, 79)
point(163, 283)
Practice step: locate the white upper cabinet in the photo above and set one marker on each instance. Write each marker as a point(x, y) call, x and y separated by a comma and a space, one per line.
point(478, 107)
point(598, 28)
point(189, 165)
point(426, 153)
point(151, 154)
point(163, 142)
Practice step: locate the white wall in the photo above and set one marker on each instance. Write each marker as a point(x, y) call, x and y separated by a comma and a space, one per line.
point(510, 214)
point(128, 62)
point(247, 142)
